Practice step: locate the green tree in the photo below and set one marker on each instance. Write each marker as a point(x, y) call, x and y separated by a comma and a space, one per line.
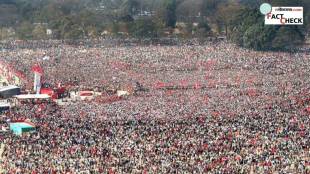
point(6, 33)
point(92, 31)
point(115, 27)
point(24, 30)
point(39, 32)
point(250, 31)
point(69, 29)
point(145, 28)
point(203, 29)
point(8, 15)
point(292, 3)
point(241, 22)
point(209, 7)
point(258, 36)
point(75, 32)
point(288, 37)
point(170, 13)
point(130, 7)
point(252, 3)
point(224, 15)
point(204, 25)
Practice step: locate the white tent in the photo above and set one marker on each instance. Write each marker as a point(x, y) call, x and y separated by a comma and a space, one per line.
point(32, 96)
point(5, 88)
point(9, 91)
point(4, 106)
point(122, 93)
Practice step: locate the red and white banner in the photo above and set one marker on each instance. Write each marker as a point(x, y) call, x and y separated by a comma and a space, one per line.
point(11, 76)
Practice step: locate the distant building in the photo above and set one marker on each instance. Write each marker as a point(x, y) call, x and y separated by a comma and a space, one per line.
point(49, 32)
point(40, 23)
point(105, 32)
point(144, 14)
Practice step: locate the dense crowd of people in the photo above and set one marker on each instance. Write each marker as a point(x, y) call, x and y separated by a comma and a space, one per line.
point(208, 108)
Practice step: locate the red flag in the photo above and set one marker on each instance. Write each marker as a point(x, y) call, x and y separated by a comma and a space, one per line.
point(250, 81)
point(205, 146)
point(238, 158)
point(224, 159)
point(273, 150)
point(215, 114)
point(37, 68)
point(197, 85)
point(308, 109)
point(252, 92)
point(206, 99)
point(159, 85)
point(253, 141)
point(183, 83)
point(111, 171)
point(169, 92)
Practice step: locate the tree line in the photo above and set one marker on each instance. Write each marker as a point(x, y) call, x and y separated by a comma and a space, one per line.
point(240, 21)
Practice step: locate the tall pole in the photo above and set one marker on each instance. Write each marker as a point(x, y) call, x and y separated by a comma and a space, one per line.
point(37, 82)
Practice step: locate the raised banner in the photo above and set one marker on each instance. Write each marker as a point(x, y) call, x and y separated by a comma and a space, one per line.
point(9, 75)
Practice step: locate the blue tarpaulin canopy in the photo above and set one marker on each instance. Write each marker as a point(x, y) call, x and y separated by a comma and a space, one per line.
point(21, 127)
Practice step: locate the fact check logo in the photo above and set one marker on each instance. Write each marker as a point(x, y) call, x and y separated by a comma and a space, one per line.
point(282, 15)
